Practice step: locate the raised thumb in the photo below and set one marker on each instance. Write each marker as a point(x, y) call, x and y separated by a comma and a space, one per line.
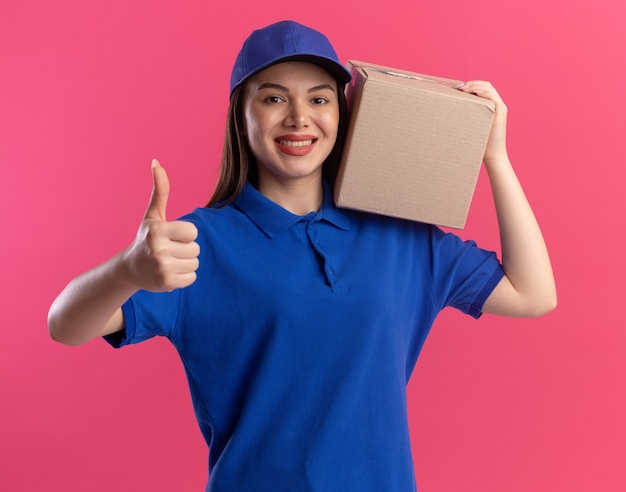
point(160, 191)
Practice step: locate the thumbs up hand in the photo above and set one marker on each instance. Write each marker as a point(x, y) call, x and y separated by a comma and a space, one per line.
point(164, 255)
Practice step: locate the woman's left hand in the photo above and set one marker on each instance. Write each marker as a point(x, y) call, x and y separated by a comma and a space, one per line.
point(496, 145)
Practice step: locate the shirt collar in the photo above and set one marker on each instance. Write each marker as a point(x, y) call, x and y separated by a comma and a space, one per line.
point(273, 219)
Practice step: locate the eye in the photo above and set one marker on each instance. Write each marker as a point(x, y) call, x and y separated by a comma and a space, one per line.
point(319, 100)
point(273, 99)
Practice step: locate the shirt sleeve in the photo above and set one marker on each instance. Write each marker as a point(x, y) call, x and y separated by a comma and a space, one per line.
point(464, 275)
point(146, 315)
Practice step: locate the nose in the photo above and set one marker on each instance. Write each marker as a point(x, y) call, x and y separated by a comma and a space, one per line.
point(297, 115)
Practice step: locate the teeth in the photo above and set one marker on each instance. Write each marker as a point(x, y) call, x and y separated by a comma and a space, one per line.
point(295, 143)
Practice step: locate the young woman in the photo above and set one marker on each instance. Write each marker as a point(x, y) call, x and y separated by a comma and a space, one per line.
point(298, 323)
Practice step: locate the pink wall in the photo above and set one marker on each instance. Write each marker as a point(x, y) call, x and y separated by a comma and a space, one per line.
point(90, 92)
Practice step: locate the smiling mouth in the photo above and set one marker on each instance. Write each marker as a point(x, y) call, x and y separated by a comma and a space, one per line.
point(295, 143)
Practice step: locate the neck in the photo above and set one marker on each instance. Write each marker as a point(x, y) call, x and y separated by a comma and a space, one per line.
point(299, 197)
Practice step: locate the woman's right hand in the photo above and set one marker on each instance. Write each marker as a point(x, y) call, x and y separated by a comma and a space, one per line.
point(164, 255)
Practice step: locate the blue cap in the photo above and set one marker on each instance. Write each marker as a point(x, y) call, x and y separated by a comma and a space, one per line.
point(285, 41)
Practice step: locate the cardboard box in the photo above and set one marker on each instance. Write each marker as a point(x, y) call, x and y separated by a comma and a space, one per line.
point(414, 145)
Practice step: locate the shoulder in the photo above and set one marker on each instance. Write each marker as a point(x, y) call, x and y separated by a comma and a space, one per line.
point(204, 216)
point(395, 236)
point(224, 222)
point(439, 244)
point(393, 225)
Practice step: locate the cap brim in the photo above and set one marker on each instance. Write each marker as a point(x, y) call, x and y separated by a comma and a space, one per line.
point(339, 72)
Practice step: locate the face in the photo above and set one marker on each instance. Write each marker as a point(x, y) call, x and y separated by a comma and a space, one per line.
point(291, 115)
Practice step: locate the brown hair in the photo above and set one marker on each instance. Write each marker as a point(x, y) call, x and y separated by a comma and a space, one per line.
point(238, 164)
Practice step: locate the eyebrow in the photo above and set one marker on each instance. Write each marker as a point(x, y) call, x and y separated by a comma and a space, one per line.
point(270, 85)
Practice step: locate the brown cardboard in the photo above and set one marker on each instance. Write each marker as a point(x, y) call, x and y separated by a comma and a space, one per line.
point(414, 145)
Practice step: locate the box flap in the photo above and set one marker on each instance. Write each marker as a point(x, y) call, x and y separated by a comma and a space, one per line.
point(442, 85)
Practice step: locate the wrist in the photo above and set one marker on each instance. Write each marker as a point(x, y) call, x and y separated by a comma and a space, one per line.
point(123, 273)
point(496, 160)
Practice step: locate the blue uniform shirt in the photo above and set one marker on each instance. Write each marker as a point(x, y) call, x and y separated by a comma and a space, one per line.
point(300, 334)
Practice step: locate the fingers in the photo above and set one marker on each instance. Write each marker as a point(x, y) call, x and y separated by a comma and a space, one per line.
point(180, 240)
point(160, 191)
point(166, 255)
point(480, 88)
point(176, 270)
point(184, 232)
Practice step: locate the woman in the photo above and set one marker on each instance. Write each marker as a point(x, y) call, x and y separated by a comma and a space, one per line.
point(299, 324)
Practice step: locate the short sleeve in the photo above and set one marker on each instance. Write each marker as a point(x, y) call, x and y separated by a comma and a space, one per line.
point(464, 275)
point(146, 315)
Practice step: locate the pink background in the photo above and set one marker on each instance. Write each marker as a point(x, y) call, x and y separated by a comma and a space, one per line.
point(90, 92)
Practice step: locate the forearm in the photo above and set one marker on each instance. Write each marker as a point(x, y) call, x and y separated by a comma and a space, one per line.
point(525, 259)
point(90, 304)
